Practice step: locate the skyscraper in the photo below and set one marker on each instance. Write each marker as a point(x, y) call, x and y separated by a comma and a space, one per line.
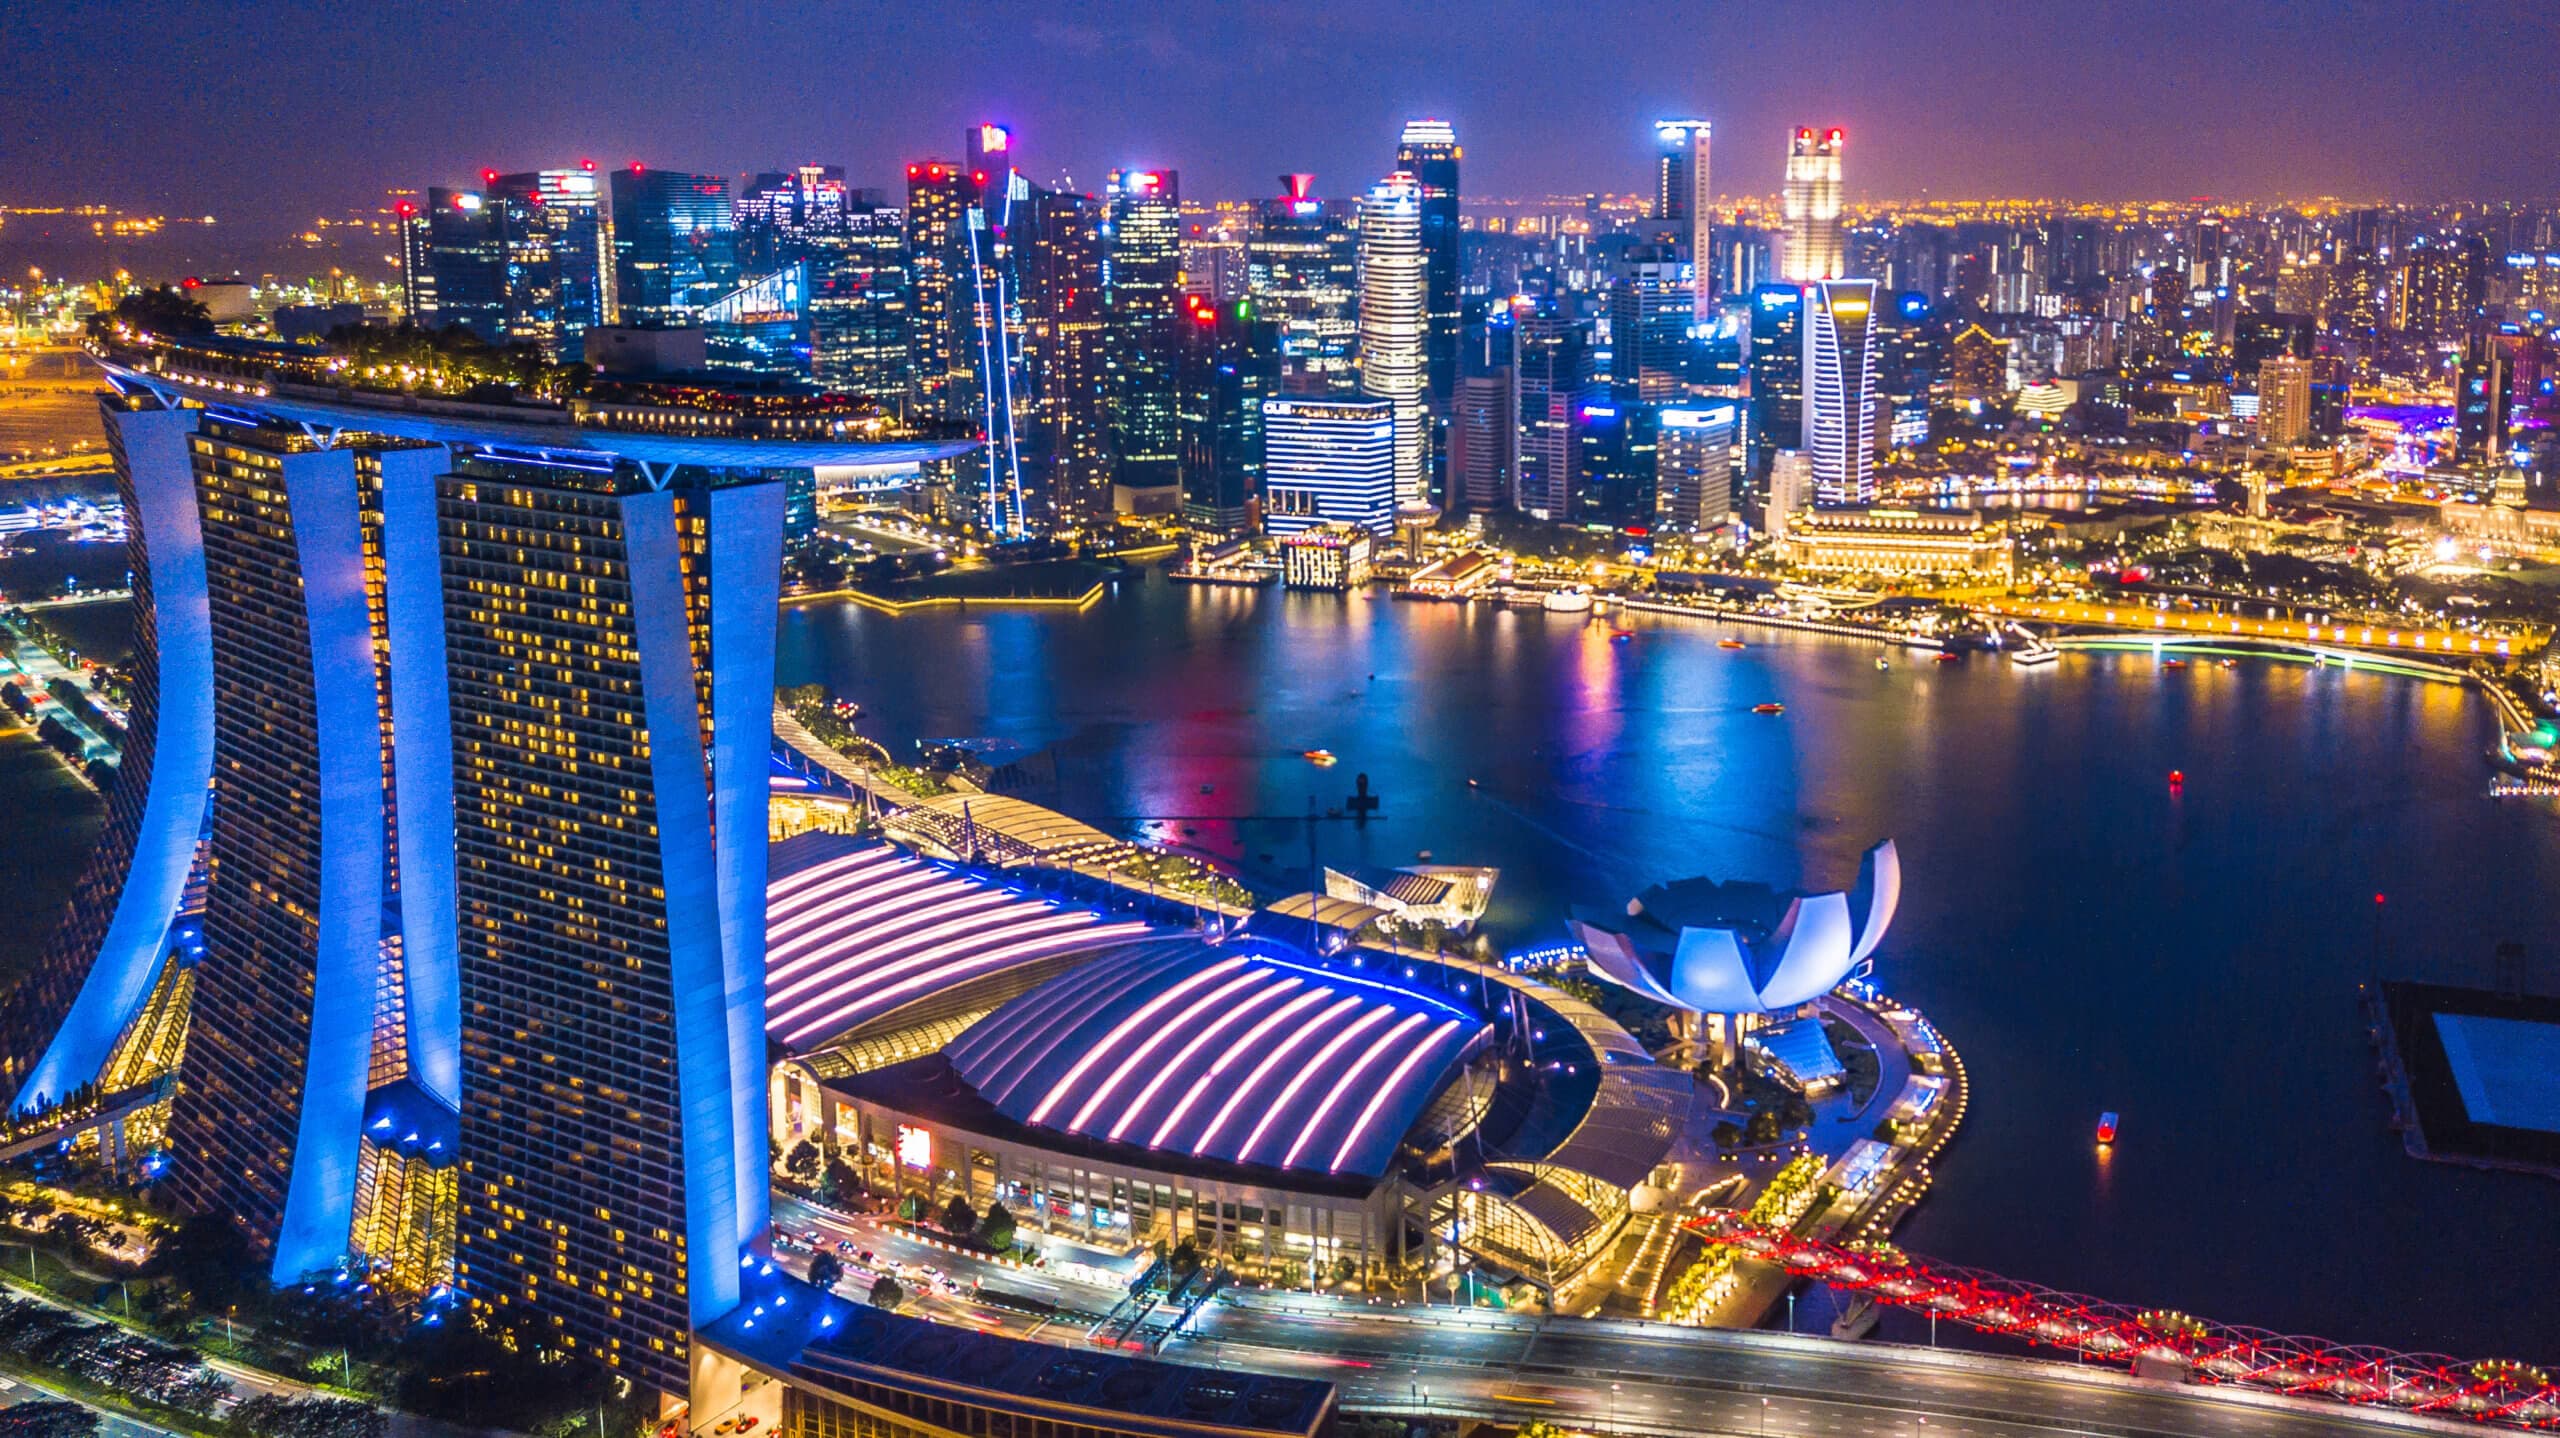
point(1694, 466)
point(1328, 461)
point(1651, 312)
point(1777, 373)
point(992, 323)
point(936, 214)
point(1840, 389)
point(1553, 380)
point(2284, 400)
point(1141, 297)
point(464, 256)
point(854, 252)
point(1394, 324)
point(1429, 152)
point(1230, 364)
point(1302, 267)
point(559, 254)
point(674, 243)
point(1816, 247)
point(1681, 197)
point(1063, 304)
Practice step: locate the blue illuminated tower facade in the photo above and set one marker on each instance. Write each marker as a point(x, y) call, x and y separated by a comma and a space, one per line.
point(470, 719)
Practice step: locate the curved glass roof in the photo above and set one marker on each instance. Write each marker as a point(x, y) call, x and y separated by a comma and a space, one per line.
point(1246, 1053)
point(867, 931)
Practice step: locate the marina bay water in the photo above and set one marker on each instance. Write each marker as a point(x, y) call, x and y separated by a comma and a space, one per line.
point(2087, 936)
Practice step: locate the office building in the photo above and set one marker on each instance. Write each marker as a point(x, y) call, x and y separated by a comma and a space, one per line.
point(1230, 365)
point(1394, 324)
point(1062, 303)
point(1553, 376)
point(1816, 246)
point(2284, 400)
point(1681, 198)
point(1142, 308)
point(1614, 456)
point(1694, 461)
point(936, 217)
point(1651, 314)
point(761, 327)
point(853, 249)
point(1302, 268)
point(1483, 425)
point(463, 258)
point(1840, 389)
point(2482, 399)
point(674, 243)
point(558, 237)
point(1428, 151)
point(1777, 372)
point(989, 304)
point(1328, 461)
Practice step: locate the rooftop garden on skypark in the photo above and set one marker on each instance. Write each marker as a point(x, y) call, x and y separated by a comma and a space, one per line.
point(451, 363)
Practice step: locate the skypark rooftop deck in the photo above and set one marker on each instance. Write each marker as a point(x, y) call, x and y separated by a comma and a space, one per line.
point(270, 380)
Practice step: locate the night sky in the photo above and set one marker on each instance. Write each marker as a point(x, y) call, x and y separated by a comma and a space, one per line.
point(269, 113)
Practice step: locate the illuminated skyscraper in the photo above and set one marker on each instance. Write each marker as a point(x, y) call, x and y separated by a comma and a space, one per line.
point(1694, 467)
point(1394, 324)
point(2284, 400)
point(1302, 267)
point(1681, 197)
point(996, 218)
point(1429, 152)
point(1230, 364)
point(936, 254)
point(1776, 370)
point(1328, 461)
point(1816, 247)
point(1062, 302)
point(1553, 380)
point(855, 253)
point(464, 256)
point(559, 247)
point(1840, 389)
point(674, 243)
point(1142, 299)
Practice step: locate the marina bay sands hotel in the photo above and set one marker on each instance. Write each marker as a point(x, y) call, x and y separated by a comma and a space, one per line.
point(444, 808)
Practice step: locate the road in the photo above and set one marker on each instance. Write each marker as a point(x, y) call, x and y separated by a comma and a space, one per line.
point(14, 1391)
point(1635, 1377)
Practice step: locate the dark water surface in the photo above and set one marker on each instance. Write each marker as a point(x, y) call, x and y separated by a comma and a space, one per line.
point(2087, 938)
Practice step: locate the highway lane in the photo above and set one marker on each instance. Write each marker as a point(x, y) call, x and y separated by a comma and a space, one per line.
point(1646, 1378)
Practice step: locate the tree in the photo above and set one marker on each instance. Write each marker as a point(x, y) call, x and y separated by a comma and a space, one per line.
point(164, 310)
point(1726, 1133)
point(825, 1271)
point(887, 1292)
point(996, 1227)
point(911, 1208)
point(272, 1415)
point(1185, 1256)
point(837, 1182)
point(47, 1418)
point(1763, 1128)
point(958, 1218)
point(802, 1161)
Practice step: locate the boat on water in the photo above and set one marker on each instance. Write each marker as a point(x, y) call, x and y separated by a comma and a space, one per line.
point(2033, 654)
point(2230, 663)
point(1622, 635)
point(1857, 1320)
point(1881, 666)
point(2107, 1126)
point(1567, 601)
point(2173, 664)
point(1947, 656)
point(1768, 708)
point(1318, 757)
point(1729, 644)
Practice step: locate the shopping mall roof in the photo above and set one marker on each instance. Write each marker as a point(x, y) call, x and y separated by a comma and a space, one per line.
point(1247, 1052)
point(842, 1347)
point(857, 930)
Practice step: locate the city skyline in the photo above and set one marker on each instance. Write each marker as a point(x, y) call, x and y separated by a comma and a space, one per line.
point(2175, 103)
